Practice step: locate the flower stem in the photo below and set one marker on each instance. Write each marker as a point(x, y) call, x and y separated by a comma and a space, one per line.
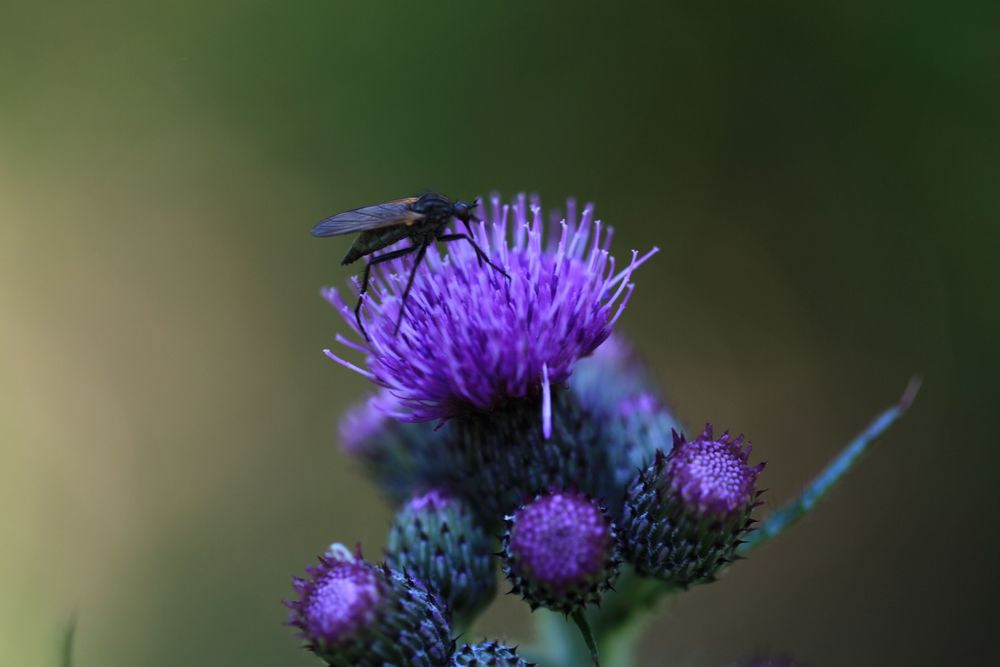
point(588, 637)
point(615, 626)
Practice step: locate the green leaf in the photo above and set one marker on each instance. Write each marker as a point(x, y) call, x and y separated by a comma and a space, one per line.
point(778, 521)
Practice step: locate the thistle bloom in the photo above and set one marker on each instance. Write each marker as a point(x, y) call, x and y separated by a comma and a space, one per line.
point(712, 477)
point(560, 552)
point(341, 598)
point(684, 515)
point(472, 340)
point(354, 614)
point(540, 409)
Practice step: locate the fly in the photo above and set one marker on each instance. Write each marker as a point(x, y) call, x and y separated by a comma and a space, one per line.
point(422, 220)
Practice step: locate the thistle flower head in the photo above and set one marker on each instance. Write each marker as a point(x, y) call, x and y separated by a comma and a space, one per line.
point(354, 614)
point(560, 551)
point(712, 476)
point(341, 596)
point(685, 514)
point(471, 339)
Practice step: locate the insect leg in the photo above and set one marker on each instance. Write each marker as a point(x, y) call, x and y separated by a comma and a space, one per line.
point(409, 284)
point(480, 255)
point(395, 254)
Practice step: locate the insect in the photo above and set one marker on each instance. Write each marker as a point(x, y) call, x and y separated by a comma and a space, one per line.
point(420, 219)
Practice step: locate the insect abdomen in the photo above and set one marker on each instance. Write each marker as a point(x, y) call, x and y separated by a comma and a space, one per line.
point(373, 240)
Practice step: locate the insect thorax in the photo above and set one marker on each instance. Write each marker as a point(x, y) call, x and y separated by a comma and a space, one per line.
point(434, 206)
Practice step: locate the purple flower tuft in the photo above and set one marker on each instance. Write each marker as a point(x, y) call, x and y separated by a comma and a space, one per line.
point(713, 476)
point(560, 551)
point(340, 597)
point(560, 539)
point(685, 514)
point(471, 339)
point(355, 614)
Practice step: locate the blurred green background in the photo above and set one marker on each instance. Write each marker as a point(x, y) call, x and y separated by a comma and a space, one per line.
point(822, 178)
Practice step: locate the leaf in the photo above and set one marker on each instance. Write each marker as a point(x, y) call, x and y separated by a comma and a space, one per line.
point(778, 521)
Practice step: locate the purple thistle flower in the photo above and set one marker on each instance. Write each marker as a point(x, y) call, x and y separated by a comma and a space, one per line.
point(354, 614)
point(472, 340)
point(340, 597)
point(560, 551)
point(685, 514)
point(713, 476)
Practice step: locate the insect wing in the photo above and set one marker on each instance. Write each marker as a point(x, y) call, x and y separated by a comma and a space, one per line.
point(390, 213)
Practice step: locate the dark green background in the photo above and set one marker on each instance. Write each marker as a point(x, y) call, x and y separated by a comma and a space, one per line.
point(822, 178)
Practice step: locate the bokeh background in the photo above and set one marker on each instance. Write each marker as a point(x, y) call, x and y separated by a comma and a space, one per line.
point(823, 181)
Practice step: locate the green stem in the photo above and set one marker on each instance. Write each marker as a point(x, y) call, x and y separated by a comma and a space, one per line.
point(588, 637)
point(559, 642)
point(633, 597)
point(615, 626)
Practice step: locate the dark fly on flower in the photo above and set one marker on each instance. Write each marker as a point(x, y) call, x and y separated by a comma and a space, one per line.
point(422, 220)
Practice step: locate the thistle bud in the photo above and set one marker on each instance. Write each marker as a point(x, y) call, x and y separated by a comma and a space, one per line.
point(488, 653)
point(354, 614)
point(685, 514)
point(560, 551)
point(436, 539)
point(616, 388)
point(400, 456)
